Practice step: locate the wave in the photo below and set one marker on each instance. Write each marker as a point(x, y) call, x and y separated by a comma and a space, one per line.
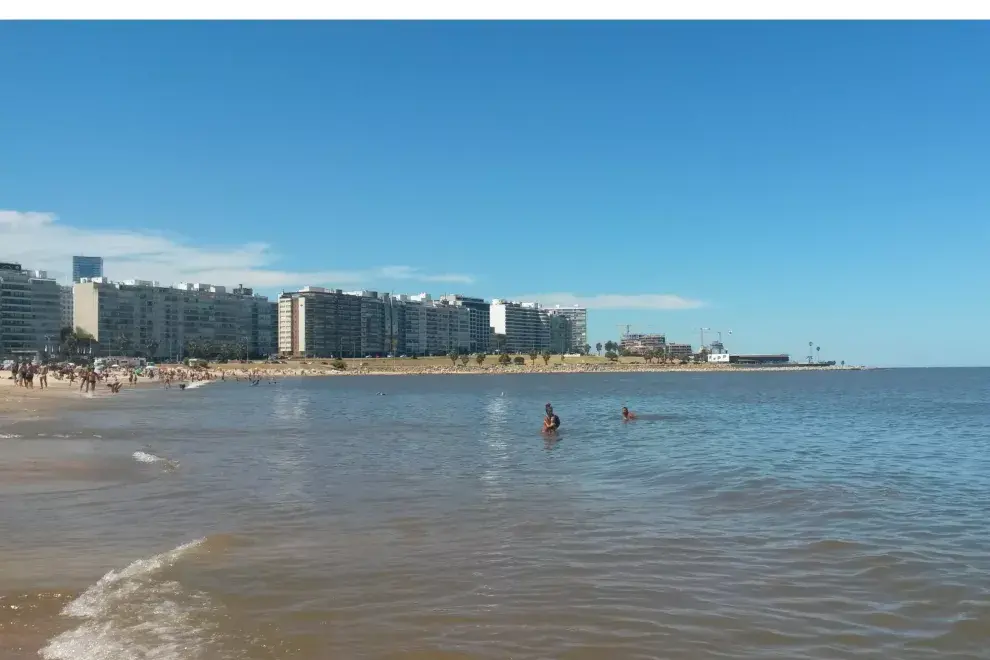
point(148, 457)
point(197, 383)
point(132, 614)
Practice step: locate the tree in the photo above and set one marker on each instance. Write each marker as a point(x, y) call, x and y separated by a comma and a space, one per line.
point(532, 357)
point(453, 357)
point(520, 360)
point(843, 363)
point(609, 355)
point(500, 343)
point(480, 358)
point(465, 359)
point(546, 357)
point(648, 357)
point(504, 359)
point(598, 347)
point(338, 364)
point(587, 348)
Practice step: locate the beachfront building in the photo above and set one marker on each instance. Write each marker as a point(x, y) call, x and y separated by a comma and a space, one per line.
point(30, 312)
point(319, 322)
point(431, 327)
point(577, 327)
point(679, 351)
point(86, 267)
point(140, 317)
point(373, 337)
point(479, 318)
point(65, 303)
point(525, 325)
point(642, 344)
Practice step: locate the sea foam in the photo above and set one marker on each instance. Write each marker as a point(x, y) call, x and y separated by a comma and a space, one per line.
point(133, 614)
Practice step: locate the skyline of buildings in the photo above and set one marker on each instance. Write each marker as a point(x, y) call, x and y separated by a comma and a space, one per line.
point(162, 321)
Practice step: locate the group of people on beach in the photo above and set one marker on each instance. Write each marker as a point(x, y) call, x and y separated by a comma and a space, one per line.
point(24, 373)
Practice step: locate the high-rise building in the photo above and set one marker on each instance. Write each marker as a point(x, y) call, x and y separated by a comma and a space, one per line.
point(525, 325)
point(577, 318)
point(139, 317)
point(319, 322)
point(87, 267)
point(30, 312)
point(479, 317)
point(430, 327)
point(65, 302)
point(373, 339)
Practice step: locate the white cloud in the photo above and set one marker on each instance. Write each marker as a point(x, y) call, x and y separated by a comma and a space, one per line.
point(614, 300)
point(40, 241)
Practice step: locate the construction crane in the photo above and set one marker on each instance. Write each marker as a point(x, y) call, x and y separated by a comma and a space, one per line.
point(623, 334)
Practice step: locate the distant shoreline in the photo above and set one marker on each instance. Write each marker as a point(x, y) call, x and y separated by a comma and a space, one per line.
point(323, 368)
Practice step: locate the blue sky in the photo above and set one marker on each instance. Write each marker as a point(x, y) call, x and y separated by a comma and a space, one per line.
point(792, 182)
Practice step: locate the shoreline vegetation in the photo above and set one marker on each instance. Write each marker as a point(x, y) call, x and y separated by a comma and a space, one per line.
point(469, 365)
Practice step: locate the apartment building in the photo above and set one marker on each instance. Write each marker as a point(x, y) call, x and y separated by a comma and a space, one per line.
point(561, 334)
point(319, 322)
point(577, 322)
point(65, 303)
point(30, 311)
point(432, 327)
point(147, 318)
point(86, 267)
point(479, 316)
point(525, 325)
point(374, 341)
point(679, 351)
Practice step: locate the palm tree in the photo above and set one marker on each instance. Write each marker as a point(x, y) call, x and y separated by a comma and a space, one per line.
point(818, 353)
point(453, 357)
point(532, 357)
point(546, 357)
point(480, 358)
point(465, 359)
point(598, 347)
point(587, 349)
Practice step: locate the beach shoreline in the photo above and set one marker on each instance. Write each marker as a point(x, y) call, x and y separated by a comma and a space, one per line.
point(434, 367)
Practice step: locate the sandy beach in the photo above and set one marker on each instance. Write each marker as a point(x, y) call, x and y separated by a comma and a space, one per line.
point(60, 394)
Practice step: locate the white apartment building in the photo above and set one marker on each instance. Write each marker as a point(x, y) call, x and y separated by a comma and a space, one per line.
point(147, 318)
point(30, 311)
point(577, 321)
point(526, 325)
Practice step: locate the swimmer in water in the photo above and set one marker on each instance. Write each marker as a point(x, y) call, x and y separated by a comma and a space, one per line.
point(551, 422)
point(626, 415)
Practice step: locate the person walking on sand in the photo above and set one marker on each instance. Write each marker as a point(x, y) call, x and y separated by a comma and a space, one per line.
point(43, 377)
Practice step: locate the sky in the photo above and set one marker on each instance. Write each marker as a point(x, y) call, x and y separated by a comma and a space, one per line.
point(790, 182)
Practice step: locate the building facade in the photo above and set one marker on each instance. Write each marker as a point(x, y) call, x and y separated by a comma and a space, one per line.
point(577, 318)
point(65, 303)
point(525, 325)
point(319, 322)
point(139, 317)
point(431, 327)
point(479, 319)
point(679, 351)
point(86, 267)
point(30, 312)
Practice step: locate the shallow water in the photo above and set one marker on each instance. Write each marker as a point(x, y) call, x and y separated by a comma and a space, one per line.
point(760, 515)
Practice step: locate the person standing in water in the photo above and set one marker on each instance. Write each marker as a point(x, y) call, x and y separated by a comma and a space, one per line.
point(551, 422)
point(626, 415)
